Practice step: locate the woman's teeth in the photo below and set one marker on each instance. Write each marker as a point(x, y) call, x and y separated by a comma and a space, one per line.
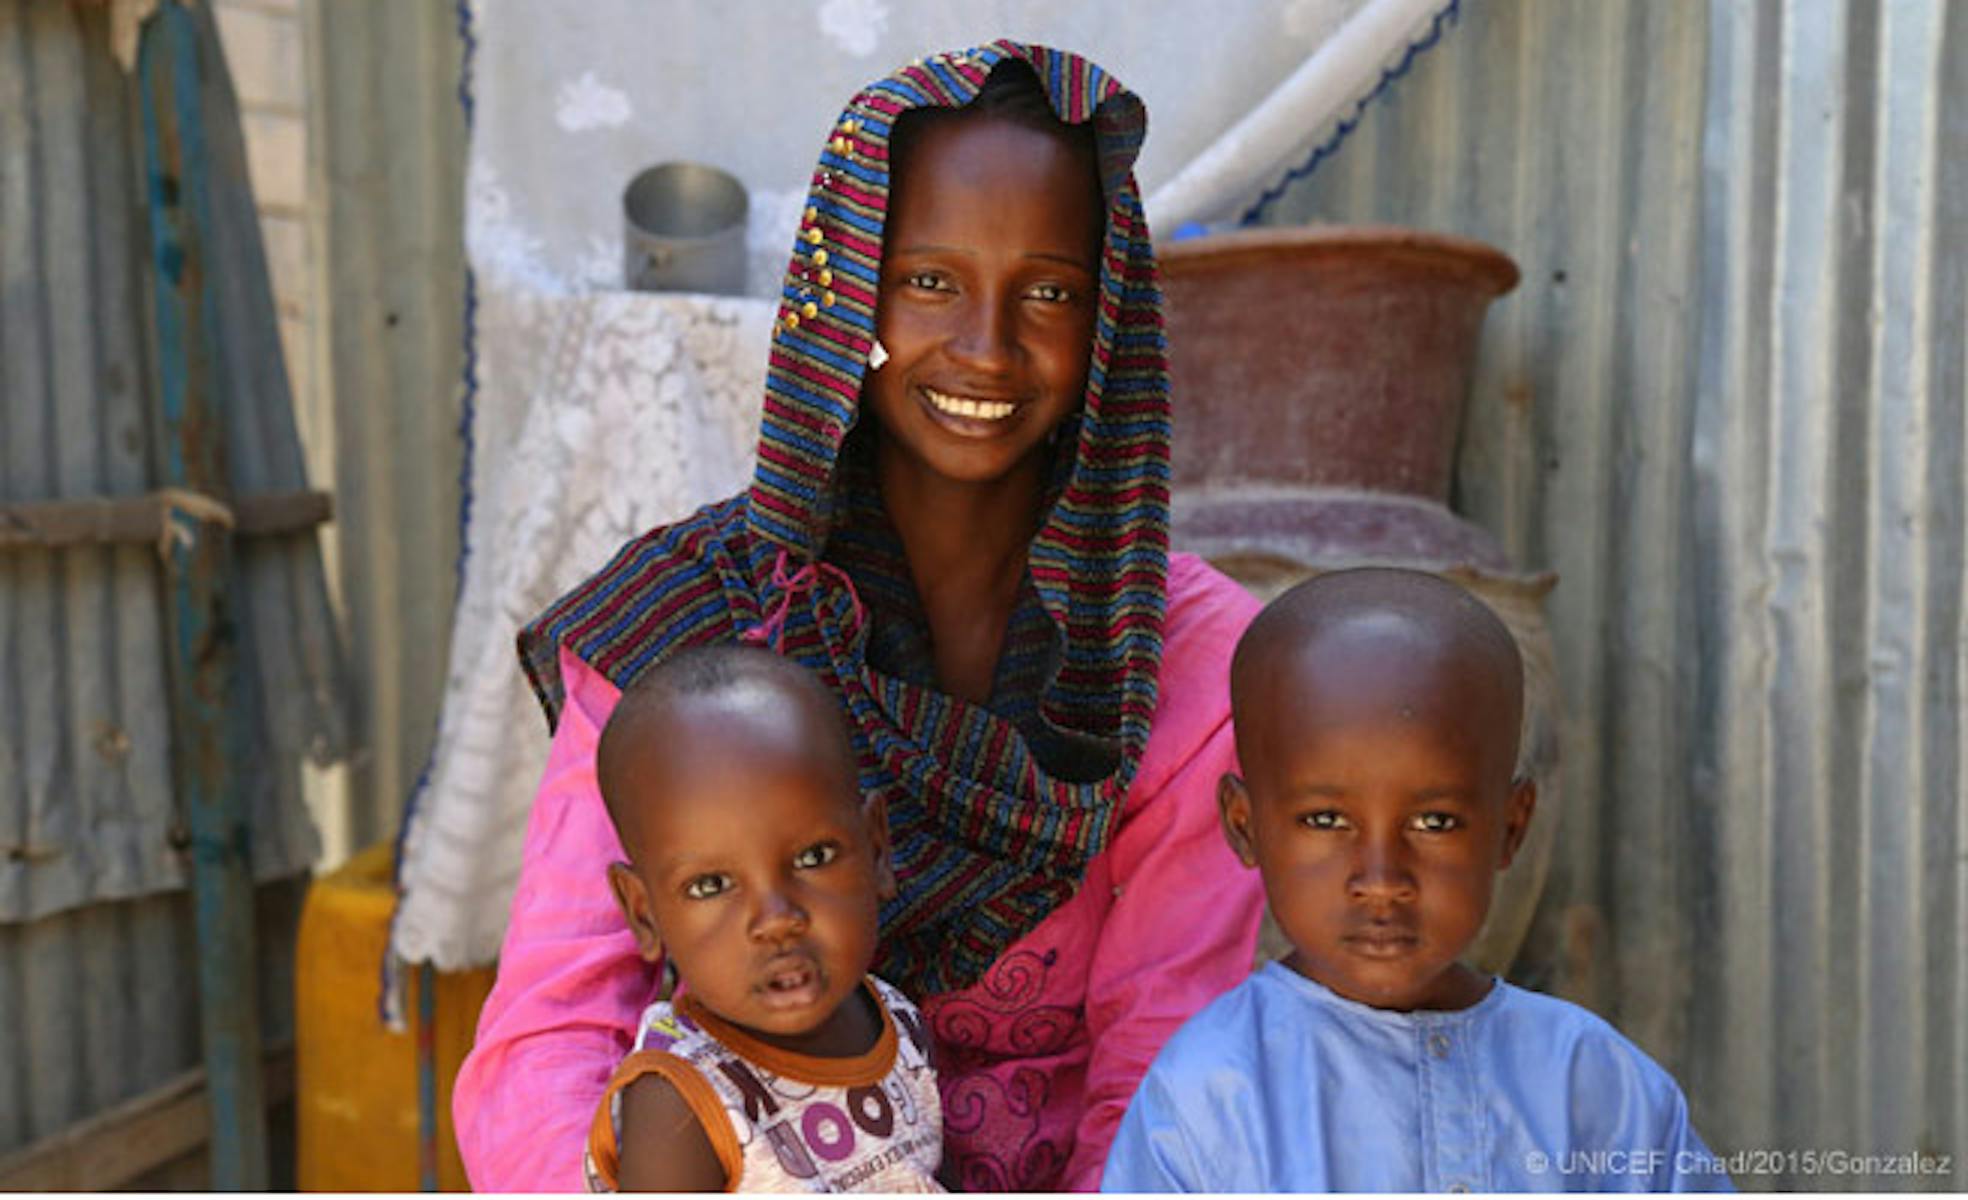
point(963, 406)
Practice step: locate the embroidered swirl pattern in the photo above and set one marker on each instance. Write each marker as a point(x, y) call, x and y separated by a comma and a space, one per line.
point(993, 1119)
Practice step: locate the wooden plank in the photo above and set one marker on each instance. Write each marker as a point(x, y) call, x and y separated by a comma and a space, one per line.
point(110, 519)
point(121, 1144)
point(281, 512)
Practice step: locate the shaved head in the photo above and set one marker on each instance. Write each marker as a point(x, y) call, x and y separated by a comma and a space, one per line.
point(755, 867)
point(1379, 627)
point(745, 695)
point(1378, 713)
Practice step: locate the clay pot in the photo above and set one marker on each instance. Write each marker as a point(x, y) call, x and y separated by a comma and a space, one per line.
point(1319, 379)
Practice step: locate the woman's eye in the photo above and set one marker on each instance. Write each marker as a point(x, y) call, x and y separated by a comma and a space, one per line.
point(818, 855)
point(703, 887)
point(1325, 818)
point(1051, 293)
point(928, 281)
point(1437, 822)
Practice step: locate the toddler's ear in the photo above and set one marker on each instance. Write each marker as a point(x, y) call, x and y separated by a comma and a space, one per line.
point(1517, 818)
point(876, 814)
point(634, 901)
point(1233, 809)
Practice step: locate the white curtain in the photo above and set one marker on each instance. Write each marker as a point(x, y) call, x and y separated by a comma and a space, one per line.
point(597, 413)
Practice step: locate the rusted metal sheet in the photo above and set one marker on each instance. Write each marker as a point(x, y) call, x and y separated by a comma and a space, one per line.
point(97, 950)
point(101, 1009)
point(1726, 407)
point(86, 806)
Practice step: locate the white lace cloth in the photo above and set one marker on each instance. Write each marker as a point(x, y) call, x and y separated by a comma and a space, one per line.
point(601, 413)
point(644, 408)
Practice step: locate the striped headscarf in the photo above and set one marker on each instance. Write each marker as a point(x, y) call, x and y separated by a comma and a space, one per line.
point(991, 830)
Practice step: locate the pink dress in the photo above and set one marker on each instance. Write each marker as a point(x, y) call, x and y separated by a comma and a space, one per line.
point(1036, 1061)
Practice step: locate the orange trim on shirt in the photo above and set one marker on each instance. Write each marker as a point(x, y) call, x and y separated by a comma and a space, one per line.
point(696, 1092)
point(862, 1070)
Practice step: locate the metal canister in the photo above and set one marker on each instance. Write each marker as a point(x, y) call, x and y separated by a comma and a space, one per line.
point(683, 229)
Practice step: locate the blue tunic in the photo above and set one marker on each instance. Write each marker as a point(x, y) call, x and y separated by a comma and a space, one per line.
point(1281, 1085)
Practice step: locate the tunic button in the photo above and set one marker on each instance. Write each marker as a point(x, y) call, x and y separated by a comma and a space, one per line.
point(826, 278)
point(813, 237)
point(812, 214)
point(809, 310)
point(826, 299)
point(1440, 1045)
point(792, 321)
point(819, 256)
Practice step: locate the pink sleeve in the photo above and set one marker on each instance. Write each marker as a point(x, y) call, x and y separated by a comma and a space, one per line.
point(1183, 926)
point(571, 986)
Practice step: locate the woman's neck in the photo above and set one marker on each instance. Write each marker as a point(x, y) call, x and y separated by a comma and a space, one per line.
point(966, 544)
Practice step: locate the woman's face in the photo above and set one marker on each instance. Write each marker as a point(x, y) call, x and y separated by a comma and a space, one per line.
point(989, 277)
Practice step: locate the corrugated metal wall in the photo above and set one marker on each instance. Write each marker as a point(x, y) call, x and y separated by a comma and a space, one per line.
point(1726, 405)
point(86, 809)
point(84, 750)
point(98, 993)
point(101, 1004)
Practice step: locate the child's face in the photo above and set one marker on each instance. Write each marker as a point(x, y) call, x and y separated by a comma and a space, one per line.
point(759, 874)
point(988, 279)
point(1378, 805)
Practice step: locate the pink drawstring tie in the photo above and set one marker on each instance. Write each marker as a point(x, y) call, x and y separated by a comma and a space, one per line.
point(772, 631)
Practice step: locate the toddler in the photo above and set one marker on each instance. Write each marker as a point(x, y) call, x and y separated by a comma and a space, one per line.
point(756, 873)
point(1377, 716)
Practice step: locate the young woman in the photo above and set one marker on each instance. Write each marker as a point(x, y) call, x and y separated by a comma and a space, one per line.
point(959, 520)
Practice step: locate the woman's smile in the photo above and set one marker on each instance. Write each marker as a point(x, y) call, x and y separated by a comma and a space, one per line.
point(964, 411)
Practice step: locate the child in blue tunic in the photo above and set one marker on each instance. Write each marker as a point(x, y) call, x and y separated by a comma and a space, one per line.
point(1377, 715)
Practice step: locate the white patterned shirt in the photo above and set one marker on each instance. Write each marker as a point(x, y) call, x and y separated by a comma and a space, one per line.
point(786, 1122)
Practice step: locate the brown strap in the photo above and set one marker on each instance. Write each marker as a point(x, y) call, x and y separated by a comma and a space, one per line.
point(697, 1093)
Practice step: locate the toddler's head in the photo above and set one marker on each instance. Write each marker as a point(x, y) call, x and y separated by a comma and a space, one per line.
point(1377, 716)
point(753, 864)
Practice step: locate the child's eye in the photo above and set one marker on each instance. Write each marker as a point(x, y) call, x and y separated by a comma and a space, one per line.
point(1325, 818)
point(1051, 293)
point(928, 281)
point(703, 887)
point(817, 855)
point(1437, 822)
